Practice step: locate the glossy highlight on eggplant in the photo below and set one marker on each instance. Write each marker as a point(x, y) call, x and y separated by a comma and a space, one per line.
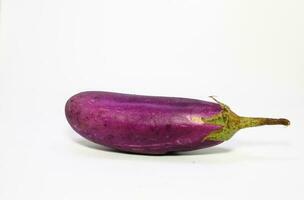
point(153, 124)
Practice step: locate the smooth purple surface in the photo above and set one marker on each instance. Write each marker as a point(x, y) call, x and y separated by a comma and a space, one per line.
point(141, 124)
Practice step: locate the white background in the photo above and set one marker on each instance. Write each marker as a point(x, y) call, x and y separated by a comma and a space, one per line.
point(250, 54)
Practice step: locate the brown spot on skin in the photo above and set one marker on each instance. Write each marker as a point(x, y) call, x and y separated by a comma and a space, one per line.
point(109, 137)
point(168, 127)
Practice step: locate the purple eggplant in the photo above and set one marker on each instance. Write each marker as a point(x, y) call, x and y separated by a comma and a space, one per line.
point(154, 125)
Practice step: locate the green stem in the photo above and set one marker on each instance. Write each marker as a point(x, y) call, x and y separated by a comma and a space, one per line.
point(232, 122)
point(246, 122)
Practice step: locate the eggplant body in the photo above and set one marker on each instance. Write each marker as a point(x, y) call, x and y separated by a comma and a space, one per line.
point(142, 124)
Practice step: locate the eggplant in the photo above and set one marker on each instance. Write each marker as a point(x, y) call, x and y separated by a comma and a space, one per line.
point(153, 124)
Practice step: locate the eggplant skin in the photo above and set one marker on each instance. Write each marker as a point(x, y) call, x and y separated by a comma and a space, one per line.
point(142, 124)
